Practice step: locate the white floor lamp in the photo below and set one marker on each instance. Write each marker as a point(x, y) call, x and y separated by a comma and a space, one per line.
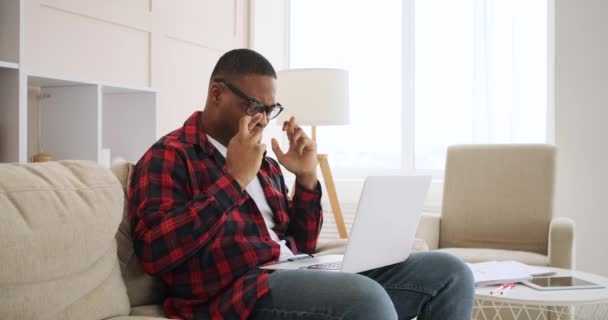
point(317, 97)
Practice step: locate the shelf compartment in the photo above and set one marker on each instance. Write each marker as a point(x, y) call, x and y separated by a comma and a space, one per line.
point(129, 122)
point(70, 122)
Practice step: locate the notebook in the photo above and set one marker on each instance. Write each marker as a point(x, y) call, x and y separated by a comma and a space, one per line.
point(501, 272)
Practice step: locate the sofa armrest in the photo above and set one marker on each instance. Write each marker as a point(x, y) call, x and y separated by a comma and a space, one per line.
point(561, 243)
point(428, 229)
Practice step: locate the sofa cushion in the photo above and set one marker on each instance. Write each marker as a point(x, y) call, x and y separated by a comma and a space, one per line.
point(151, 310)
point(333, 246)
point(135, 318)
point(480, 255)
point(58, 252)
point(338, 246)
point(142, 288)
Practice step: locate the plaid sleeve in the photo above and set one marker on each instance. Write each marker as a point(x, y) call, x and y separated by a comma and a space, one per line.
point(305, 217)
point(170, 219)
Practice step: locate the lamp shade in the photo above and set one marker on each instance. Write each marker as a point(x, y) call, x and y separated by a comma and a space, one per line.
point(314, 96)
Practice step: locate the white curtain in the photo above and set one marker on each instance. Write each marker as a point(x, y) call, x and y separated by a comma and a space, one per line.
point(481, 74)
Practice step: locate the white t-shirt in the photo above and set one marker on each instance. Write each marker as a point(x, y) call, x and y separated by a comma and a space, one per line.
point(255, 191)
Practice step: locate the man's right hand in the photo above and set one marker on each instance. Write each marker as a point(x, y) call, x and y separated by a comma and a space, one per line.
point(245, 152)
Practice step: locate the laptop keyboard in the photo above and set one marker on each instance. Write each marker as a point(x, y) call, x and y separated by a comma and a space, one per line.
point(326, 266)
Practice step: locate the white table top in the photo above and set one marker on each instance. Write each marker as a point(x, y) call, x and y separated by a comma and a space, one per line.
point(523, 294)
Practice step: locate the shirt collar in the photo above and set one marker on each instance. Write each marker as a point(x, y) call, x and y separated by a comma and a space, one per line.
point(194, 133)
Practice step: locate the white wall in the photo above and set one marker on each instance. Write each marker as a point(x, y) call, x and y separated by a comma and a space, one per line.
point(581, 128)
point(268, 35)
point(171, 46)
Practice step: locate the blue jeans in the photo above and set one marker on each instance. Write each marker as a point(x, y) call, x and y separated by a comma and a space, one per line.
point(428, 285)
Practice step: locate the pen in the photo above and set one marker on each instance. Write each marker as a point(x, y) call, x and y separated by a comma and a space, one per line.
point(509, 287)
point(499, 289)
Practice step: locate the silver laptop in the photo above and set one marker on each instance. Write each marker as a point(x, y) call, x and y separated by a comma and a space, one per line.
point(383, 230)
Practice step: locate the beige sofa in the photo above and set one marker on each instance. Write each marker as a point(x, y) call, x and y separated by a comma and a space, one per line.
point(60, 243)
point(66, 250)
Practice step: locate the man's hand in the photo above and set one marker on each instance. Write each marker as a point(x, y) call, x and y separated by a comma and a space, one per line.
point(245, 152)
point(301, 158)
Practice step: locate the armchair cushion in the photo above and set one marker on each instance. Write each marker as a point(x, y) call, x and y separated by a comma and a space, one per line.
point(561, 245)
point(480, 255)
point(338, 246)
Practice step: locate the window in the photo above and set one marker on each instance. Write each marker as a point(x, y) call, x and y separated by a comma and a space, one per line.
point(479, 74)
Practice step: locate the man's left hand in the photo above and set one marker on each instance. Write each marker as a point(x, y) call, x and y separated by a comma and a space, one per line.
point(301, 158)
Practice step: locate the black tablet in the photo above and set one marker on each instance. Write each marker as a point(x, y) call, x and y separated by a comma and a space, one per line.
point(561, 283)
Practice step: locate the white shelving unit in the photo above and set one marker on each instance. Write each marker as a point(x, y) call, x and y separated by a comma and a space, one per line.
point(66, 118)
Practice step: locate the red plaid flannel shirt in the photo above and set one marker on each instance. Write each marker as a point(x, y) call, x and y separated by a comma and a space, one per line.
point(195, 228)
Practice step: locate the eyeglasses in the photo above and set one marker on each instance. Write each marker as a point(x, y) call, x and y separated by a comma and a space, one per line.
point(253, 106)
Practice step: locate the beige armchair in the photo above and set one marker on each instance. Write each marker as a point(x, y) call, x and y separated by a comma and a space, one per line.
point(498, 205)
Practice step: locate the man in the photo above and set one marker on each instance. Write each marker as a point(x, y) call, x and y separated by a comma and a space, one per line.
point(208, 207)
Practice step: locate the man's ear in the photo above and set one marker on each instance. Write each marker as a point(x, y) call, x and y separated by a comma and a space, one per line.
point(215, 94)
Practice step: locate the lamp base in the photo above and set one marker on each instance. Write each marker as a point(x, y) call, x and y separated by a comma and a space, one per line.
point(333, 197)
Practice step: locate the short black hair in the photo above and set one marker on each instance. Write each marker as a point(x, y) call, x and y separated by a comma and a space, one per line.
point(241, 62)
